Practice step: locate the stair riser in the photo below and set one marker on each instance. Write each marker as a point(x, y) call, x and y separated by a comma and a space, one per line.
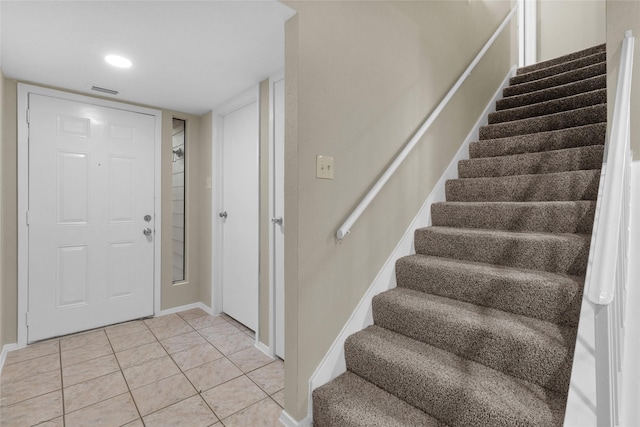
point(537, 218)
point(540, 142)
point(550, 94)
point(563, 59)
point(582, 158)
point(550, 107)
point(556, 255)
point(423, 380)
point(557, 80)
point(575, 185)
point(568, 119)
point(567, 66)
point(491, 342)
point(556, 301)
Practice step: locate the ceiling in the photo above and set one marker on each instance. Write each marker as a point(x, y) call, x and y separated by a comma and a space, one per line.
point(188, 56)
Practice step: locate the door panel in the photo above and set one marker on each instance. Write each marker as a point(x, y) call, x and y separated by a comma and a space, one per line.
point(72, 277)
point(73, 191)
point(89, 263)
point(240, 201)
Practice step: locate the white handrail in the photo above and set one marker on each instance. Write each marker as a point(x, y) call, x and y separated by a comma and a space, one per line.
point(357, 212)
point(601, 276)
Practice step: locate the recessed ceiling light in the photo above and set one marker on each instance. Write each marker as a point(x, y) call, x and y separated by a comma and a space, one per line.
point(118, 61)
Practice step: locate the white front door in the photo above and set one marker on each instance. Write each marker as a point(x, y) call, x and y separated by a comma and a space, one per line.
point(241, 204)
point(91, 200)
point(278, 213)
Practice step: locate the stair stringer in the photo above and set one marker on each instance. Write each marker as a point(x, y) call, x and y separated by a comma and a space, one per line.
point(333, 364)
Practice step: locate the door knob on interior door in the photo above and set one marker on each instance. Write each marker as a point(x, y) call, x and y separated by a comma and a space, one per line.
point(147, 231)
point(223, 214)
point(277, 221)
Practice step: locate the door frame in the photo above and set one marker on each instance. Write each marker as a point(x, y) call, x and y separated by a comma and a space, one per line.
point(272, 242)
point(527, 32)
point(217, 242)
point(23, 191)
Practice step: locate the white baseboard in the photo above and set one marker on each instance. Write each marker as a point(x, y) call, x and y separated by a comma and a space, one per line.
point(288, 421)
point(333, 363)
point(3, 356)
point(264, 348)
point(178, 309)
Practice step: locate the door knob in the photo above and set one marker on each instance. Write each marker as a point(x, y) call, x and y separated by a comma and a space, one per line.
point(146, 231)
point(223, 214)
point(277, 221)
point(147, 218)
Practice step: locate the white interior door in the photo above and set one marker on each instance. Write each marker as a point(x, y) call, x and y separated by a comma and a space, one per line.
point(241, 205)
point(278, 212)
point(91, 184)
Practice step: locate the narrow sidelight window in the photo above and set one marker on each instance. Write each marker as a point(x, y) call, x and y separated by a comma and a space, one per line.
point(178, 199)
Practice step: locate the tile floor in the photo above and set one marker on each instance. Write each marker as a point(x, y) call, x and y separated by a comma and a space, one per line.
point(186, 369)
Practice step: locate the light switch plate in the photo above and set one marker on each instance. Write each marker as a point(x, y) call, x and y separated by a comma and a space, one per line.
point(324, 167)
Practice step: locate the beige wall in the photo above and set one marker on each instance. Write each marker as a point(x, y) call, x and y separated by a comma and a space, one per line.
point(566, 26)
point(360, 78)
point(622, 16)
point(198, 285)
point(265, 216)
point(1, 204)
point(187, 291)
point(204, 198)
point(9, 216)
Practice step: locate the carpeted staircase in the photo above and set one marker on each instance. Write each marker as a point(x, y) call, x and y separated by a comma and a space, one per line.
point(481, 328)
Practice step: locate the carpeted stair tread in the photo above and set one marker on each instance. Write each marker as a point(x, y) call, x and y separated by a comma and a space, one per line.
point(350, 401)
point(557, 79)
point(556, 92)
point(543, 217)
point(530, 349)
point(562, 59)
point(568, 159)
point(586, 99)
point(554, 252)
point(591, 134)
point(566, 119)
point(559, 68)
point(538, 294)
point(571, 185)
point(455, 390)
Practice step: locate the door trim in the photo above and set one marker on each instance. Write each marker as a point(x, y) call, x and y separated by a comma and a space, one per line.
point(23, 191)
point(527, 32)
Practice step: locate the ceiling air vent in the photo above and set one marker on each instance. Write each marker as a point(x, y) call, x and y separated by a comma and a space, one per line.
point(104, 90)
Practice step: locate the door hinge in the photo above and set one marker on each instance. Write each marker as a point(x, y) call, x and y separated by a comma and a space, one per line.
point(27, 317)
point(27, 218)
point(28, 116)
